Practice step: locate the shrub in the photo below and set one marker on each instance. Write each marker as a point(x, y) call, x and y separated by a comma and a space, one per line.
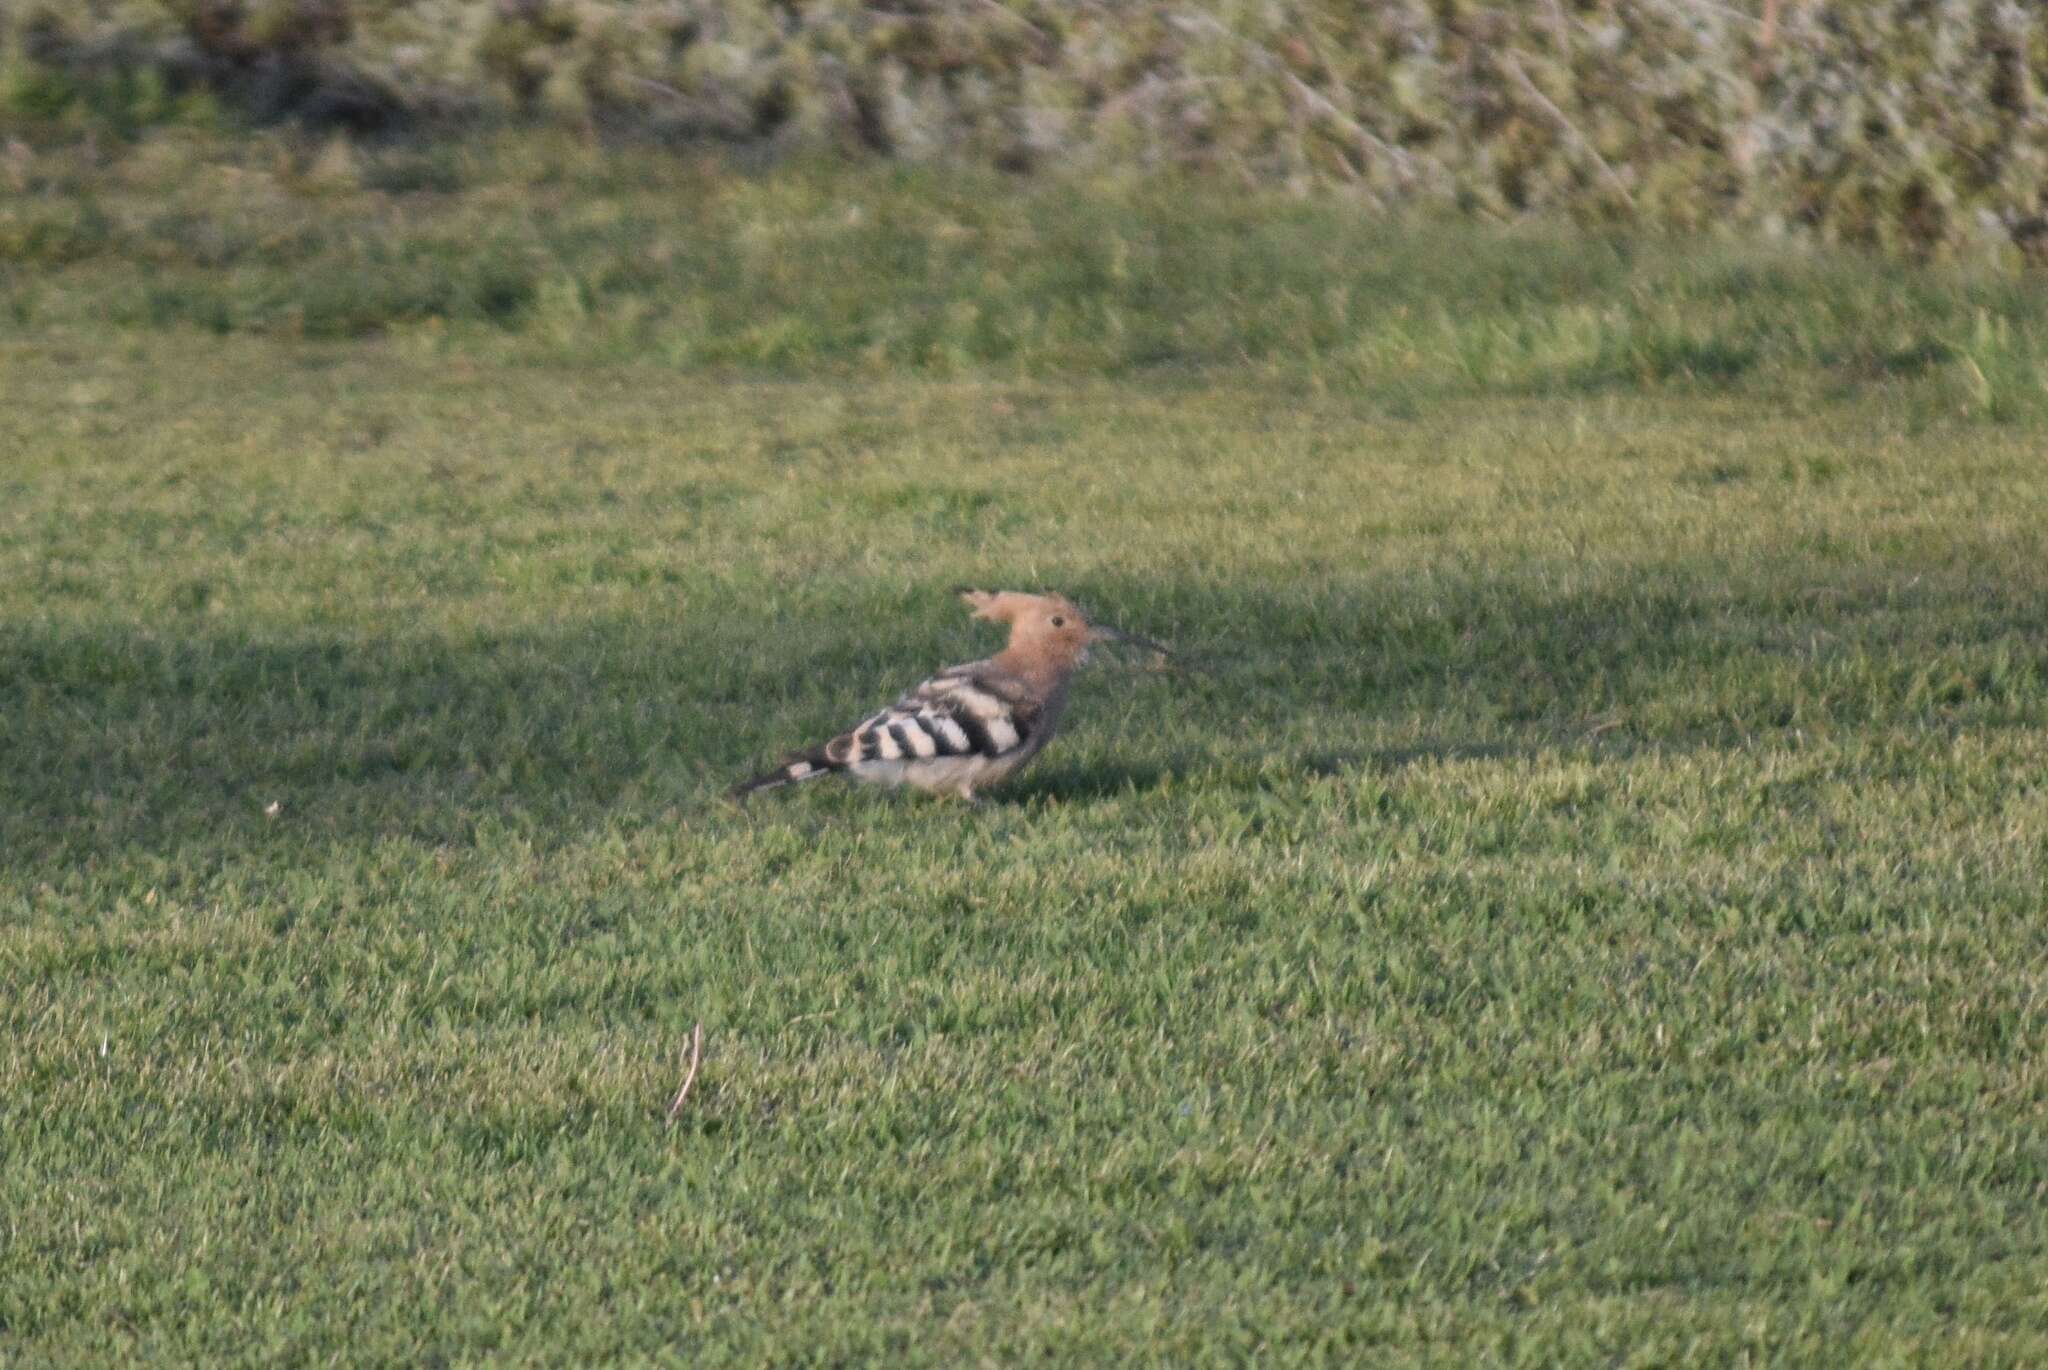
point(1913, 124)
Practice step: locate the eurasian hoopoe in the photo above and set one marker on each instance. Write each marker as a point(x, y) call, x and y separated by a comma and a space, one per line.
point(968, 726)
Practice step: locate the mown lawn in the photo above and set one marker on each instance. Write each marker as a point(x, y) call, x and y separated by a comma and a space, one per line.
point(1581, 901)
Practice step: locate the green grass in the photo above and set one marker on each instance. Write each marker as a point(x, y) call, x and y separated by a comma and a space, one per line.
point(555, 254)
point(1583, 902)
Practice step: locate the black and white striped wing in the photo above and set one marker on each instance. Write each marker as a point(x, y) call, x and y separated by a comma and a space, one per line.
point(957, 713)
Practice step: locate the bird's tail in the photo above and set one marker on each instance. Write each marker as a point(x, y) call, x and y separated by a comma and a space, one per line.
point(809, 766)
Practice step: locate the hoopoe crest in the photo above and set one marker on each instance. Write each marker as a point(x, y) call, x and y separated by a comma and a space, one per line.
point(971, 726)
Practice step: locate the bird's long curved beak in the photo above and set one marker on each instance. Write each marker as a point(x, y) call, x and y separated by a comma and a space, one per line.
point(1104, 633)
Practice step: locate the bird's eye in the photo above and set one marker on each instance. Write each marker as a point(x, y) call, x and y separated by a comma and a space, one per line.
point(1058, 621)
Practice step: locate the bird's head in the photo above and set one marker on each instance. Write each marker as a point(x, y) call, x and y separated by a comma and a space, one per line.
point(1047, 630)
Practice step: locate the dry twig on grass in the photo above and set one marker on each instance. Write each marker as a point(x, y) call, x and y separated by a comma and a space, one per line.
point(696, 1058)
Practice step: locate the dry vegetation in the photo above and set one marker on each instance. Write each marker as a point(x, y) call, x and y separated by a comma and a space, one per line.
point(1916, 123)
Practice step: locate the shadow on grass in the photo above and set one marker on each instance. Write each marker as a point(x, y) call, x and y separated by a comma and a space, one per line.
point(175, 742)
point(1113, 779)
point(1073, 784)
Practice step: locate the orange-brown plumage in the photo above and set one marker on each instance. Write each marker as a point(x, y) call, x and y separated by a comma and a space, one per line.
point(1049, 636)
